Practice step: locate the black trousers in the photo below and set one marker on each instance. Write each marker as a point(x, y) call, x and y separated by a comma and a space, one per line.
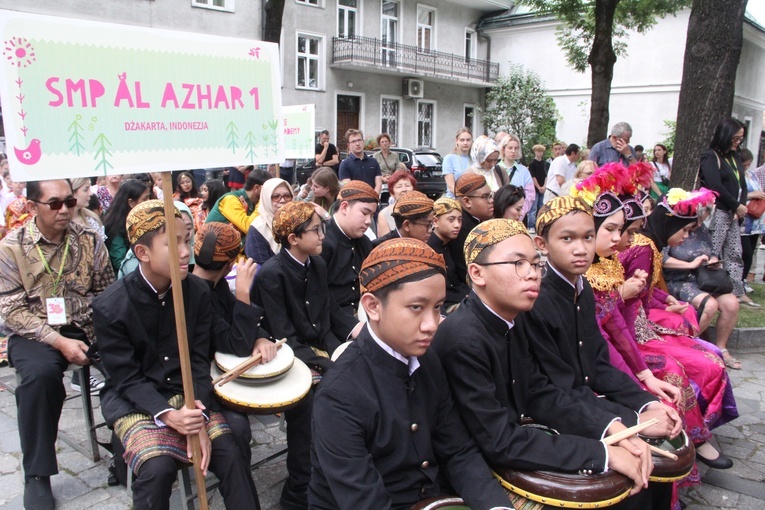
point(299, 448)
point(154, 482)
point(240, 428)
point(39, 400)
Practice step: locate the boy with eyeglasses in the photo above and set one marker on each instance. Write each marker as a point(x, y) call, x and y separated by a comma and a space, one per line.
point(484, 347)
point(292, 288)
point(413, 214)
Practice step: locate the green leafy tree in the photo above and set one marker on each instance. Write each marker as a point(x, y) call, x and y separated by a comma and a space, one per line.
point(519, 104)
point(593, 34)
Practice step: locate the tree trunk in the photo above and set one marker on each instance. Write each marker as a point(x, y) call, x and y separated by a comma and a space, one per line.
point(601, 59)
point(712, 51)
point(272, 26)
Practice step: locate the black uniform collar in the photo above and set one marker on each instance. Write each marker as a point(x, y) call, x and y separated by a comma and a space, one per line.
point(379, 358)
point(493, 322)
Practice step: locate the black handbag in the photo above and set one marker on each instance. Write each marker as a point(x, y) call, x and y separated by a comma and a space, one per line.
point(714, 281)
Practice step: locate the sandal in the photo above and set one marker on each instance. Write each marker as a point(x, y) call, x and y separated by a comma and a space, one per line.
point(749, 303)
point(730, 361)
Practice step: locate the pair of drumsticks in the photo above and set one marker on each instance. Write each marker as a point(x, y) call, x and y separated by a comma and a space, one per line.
point(624, 434)
point(242, 367)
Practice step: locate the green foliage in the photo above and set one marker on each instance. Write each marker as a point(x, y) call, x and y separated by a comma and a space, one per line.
point(519, 104)
point(669, 140)
point(576, 33)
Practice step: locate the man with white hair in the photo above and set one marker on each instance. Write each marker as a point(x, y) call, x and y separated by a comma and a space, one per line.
point(615, 148)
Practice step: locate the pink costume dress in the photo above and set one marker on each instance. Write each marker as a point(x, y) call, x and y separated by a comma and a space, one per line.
point(667, 340)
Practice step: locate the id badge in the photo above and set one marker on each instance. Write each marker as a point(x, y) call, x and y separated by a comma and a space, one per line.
point(56, 309)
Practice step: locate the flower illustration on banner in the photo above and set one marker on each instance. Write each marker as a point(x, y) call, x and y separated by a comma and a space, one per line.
point(19, 52)
point(255, 52)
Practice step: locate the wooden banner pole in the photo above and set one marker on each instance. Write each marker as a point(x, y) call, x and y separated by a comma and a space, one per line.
point(180, 328)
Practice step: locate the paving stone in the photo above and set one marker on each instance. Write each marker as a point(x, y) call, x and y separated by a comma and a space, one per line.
point(9, 463)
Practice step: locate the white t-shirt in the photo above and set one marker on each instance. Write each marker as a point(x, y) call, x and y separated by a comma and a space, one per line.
point(560, 166)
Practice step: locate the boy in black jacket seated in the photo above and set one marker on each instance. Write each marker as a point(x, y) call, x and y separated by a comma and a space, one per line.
point(215, 251)
point(386, 431)
point(292, 289)
point(143, 396)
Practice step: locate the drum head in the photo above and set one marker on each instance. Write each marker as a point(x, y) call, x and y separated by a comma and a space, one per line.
point(277, 366)
point(563, 490)
point(441, 503)
point(668, 470)
point(267, 398)
point(340, 349)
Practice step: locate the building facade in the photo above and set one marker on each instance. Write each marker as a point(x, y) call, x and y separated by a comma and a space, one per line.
point(415, 70)
point(646, 85)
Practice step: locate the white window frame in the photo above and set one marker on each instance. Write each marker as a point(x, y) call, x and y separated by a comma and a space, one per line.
point(433, 122)
point(228, 5)
point(358, 24)
point(432, 27)
point(474, 121)
point(319, 3)
point(399, 121)
point(399, 24)
point(473, 44)
point(320, 57)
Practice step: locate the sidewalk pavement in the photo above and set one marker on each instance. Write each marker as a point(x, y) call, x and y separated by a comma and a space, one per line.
point(81, 483)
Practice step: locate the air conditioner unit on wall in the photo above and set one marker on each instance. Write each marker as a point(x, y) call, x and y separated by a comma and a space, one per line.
point(413, 89)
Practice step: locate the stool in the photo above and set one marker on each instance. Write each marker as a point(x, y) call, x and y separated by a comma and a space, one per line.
point(91, 450)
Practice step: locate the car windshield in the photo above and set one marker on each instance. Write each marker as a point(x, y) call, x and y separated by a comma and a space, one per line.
point(429, 159)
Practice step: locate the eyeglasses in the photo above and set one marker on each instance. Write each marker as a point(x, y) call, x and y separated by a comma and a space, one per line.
point(55, 205)
point(737, 138)
point(356, 141)
point(523, 267)
point(486, 196)
point(320, 229)
point(491, 161)
point(429, 225)
point(281, 198)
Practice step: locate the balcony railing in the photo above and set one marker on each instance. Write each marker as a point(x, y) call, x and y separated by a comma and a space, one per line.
point(366, 51)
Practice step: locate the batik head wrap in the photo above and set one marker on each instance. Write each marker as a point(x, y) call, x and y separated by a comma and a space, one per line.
point(358, 190)
point(468, 183)
point(399, 259)
point(290, 217)
point(146, 217)
point(445, 205)
point(217, 242)
point(678, 209)
point(557, 208)
point(489, 233)
point(412, 203)
point(265, 219)
point(482, 148)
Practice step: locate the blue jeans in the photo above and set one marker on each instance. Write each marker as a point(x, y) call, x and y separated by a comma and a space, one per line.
point(536, 206)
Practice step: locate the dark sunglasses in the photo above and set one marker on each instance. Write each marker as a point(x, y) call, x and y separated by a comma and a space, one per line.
point(55, 205)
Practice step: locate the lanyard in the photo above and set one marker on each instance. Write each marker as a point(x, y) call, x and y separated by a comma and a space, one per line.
point(48, 270)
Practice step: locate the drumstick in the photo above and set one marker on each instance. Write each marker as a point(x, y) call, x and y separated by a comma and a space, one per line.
point(624, 434)
point(663, 453)
point(242, 367)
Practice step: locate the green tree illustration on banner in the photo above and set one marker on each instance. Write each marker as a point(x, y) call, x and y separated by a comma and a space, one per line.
point(249, 146)
point(102, 153)
point(232, 136)
point(76, 136)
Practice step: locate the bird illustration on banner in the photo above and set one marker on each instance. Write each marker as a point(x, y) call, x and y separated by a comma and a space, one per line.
point(31, 154)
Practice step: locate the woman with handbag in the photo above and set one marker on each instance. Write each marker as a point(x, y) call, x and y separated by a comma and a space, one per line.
point(662, 171)
point(723, 172)
point(684, 269)
point(754, 222)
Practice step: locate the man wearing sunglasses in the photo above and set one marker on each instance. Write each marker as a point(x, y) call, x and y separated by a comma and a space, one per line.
point(50, 269)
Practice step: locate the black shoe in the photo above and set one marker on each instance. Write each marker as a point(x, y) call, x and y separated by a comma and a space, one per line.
point(721, 462)
point(291, 500)
point(38, 495)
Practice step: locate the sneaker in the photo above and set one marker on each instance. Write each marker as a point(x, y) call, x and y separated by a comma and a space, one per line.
point(747, 288)
point(95, 383)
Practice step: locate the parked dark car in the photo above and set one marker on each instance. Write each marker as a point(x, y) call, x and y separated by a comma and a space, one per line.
point(426, 167)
